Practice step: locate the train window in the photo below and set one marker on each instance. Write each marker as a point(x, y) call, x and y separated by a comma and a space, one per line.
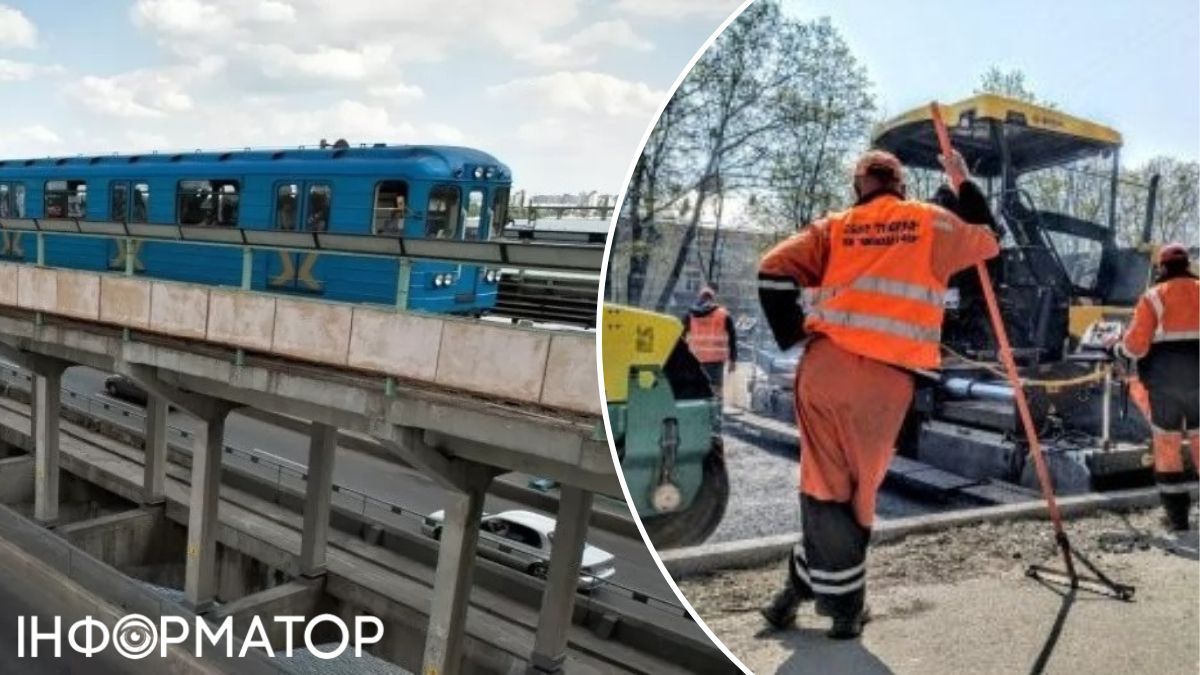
point(119, 202)
point(499, 212)
point(65, 199)
point(441, 218)
point(474, 214)
point(12, 200)
point(141, 203)
point(320, 198)
point(18, 200)
point(287, 212)
point(391, 207)
point(207, 202)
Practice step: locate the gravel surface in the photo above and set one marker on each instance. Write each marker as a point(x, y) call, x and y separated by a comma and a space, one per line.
point(966, 588)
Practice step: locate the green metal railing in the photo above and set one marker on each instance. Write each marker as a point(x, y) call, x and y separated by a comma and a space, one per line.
point(520, 255)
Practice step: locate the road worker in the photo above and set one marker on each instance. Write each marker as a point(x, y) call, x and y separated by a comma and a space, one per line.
point(712, 338)
point(1164, 337)
point(872, 279)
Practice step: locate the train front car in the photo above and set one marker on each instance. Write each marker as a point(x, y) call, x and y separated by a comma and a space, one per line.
point(260, 219)
point(453, 194)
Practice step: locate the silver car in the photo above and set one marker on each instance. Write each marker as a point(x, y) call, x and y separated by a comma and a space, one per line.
point(522, 540)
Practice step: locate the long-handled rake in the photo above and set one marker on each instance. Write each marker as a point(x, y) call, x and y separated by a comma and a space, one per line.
point(1099, 582)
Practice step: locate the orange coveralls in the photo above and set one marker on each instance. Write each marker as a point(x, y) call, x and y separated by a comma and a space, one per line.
point(881, 317)
point(1164, 335)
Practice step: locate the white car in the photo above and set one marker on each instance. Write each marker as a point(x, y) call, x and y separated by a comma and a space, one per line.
point(522, 540)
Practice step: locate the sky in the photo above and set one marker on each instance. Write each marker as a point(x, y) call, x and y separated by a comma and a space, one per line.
point(1128, 64)
point(560, 90)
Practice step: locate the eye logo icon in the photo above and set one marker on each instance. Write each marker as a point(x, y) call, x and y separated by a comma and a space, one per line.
point(135, 636)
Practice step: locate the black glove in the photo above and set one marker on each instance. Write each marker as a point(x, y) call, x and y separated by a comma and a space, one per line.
point(780, 300)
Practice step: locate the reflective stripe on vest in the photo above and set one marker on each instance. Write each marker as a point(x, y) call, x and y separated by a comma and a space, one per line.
point(1178, 333)
point(777, 284)
point(878, 295)
point(881, 324)
point(707, 338)
point(899, 289)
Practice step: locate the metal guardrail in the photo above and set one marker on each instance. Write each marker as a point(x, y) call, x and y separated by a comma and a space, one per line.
point(559, 256)
point(292, 475)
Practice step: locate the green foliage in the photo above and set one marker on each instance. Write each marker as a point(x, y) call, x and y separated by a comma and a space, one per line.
point(772, 110)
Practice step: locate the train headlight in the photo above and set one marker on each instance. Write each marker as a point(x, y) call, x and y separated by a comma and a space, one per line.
point(491, 276)
point(478, 172)
point(443, 280)
point(491, 171)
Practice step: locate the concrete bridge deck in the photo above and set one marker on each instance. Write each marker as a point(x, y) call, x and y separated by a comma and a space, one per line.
point(372, 575)
point(460, 400)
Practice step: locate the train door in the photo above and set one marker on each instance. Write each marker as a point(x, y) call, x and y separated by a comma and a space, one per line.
point(299, 206)
point(475, 227)
point(128, 202)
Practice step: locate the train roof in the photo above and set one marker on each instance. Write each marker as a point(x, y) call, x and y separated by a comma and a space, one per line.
point(432, 161)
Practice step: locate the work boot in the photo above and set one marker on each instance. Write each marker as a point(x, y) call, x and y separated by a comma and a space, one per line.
point(849, 627)
point(781, 611)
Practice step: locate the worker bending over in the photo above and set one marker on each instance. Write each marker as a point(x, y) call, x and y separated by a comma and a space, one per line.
point(712, 338)
point(1164, 337)
point(873, 279)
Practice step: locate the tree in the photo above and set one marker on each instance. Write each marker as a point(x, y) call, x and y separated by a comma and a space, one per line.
point(827, 112)
point(733, 86)
point(1010, 83)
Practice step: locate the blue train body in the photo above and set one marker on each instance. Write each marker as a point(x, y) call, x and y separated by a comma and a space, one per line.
point(409, 191)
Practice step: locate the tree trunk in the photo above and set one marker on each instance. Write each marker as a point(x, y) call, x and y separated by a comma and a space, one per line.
point(689, 236)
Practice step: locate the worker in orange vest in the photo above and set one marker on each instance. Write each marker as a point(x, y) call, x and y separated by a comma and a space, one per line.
point(872, 280)
point(712, 338)
point(1164, 337)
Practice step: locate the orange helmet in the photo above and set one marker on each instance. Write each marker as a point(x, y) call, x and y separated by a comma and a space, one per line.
point(1172, 251)
point(880, 161)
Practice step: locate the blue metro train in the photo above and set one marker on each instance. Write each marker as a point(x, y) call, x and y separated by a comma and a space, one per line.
point(432, 192)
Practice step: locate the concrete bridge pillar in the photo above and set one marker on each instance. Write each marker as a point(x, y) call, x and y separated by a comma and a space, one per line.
point(558, 597)
point(200, 573)
point(322, 448)
point(452, 580)
point(155, 468)
point(44, 411)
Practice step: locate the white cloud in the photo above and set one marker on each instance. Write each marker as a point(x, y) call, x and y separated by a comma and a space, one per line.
point(16, 71)
point(39, 133)
point(201, 18)
point(583, 47)
point(181, 18)
point(616, 33)
point(396, 94)
point(34, 140)
point(584, 92)
point(139, 93)
point(16, 30)
point(333, 64)
point(717, 9)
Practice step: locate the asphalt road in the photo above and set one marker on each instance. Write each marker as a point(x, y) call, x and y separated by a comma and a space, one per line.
point(764, 496)
point(365, 474)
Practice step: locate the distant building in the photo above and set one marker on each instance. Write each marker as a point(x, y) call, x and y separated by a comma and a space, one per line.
point(737, 255)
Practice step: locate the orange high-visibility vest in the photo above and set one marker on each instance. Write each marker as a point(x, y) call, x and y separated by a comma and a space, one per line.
point(707, 337)
point(1176, 305)
point(879, 297)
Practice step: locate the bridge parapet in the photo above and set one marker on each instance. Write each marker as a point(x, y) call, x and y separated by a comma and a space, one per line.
point(554, 370)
